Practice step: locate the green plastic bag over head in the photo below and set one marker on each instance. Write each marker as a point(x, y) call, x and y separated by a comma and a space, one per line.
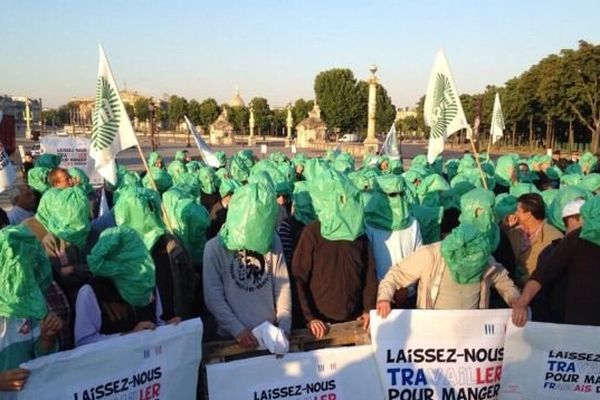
point(251, 218)
point(189, 179)
point(591, 182)
point(387, 207)
point(24, 275)
point(430, 220)
point(239, 169)
point(222, 158)
point(588, 162)
point(47, 160)
point(365, 179)
point(564, 196)
point(37, 179)
point(208, 181)
point(522, 188)
point(571, 180)
point(162, 179)
point(313, 168)
point(178, 165)
point(430, 189)
point(420, 161)
point(507, 169)
point(281, 183)
point(155, 160)
point(338, 205)
point(194, 166)
point(451, 168)
point(139, 209)
point(80, 179)
point(505, 204)
point(65, 213)
point(120, 255)
point(548, 196)
point(228, 186)
point(477, 209)
point(466, 251)
point(344, 163)
point(302, 206)
point(189, 221)
point(590, 213)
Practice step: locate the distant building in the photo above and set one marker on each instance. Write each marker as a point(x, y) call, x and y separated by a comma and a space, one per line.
point(80, 114)
point(236, 100)
point(129, 96)
point(405, 112)
point(312, 129)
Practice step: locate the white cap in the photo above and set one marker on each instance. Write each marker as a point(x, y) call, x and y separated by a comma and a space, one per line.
point(572, 208)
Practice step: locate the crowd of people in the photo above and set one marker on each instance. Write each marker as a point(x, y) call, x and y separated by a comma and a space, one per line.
point(299, 243)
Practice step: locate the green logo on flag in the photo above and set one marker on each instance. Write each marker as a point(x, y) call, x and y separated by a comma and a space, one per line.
point(106, 115)
point(445, 106)
point(498, 118)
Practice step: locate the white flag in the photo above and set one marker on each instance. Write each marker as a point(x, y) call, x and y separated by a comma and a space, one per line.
point(111, 130)
point(390, 144)
point(497, 127)
point(205, 151)
point(8, 175)
point(443, 112)
point(104, 209)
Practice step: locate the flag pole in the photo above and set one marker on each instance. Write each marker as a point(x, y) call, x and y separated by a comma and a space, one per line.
point(489, 145)
point(153, 183)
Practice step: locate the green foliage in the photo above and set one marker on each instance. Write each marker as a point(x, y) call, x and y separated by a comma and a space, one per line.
point(337, 95)
point(140, 108)
point(262, 114)
point(177, 109)
point(208, 112)
point(301, 109)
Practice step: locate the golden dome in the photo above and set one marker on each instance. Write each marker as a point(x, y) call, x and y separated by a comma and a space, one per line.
point(236, 100)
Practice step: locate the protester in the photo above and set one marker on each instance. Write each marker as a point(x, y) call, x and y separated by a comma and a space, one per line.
point(456, 273)
point(245, 276)
point(59, 178)
point(23, 202)
point(121, 296)
point(157, 178)
point(576, 256)
point(29, 330)
point(218, 212)
point(333, 265)
point(209, 195)
point(26, 165)
point(532, 234)
point(178, 165)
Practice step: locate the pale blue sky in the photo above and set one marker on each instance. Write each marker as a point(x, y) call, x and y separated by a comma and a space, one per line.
point(274, 49)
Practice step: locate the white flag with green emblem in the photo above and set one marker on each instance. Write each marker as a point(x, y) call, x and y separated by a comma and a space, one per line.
point(112, 131)
point(497, 128)
point(442, 111)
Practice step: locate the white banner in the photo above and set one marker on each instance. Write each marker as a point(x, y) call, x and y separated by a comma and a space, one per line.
point(205, 151)
point(344, 373)
point(440, 354)
point(549, 361)
point(74, 152)
point(148, 365)
point(8, 174)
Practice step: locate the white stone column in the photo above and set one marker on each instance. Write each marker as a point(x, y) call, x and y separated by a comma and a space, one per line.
point(27, 118)
point(251, 125)
point(289, 122)
point(371, 143)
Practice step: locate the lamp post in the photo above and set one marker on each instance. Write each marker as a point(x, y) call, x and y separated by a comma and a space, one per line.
point(289, 122)
point(151, 113)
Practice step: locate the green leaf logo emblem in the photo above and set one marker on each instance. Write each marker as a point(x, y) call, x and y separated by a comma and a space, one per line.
point(445, 106)
point(106, 115)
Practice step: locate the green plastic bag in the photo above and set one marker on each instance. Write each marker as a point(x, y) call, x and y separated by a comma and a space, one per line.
point(120, 255)
point(477, 209)
point(228, 186)
point(365, 179)
point(251, 219)
point(338, 205)
point(591, 182)
point(387, 207)
point(189, 179)
point(430, 221)
point(302, 206)
point(281, 182)
point(313, 168)
point(466, 251)
point(208, 180)
point(37, 179)
point(24, 275)
point(394, 166)
point(239, 169)
point(466, 163)
point(344, 163)
point(162, 179)
point(47, 160)
point(222, 158)
point(139, 209)
point(81, 179)
point(278, 158)
point(507, 170)
point(451, 168)
point(178, 165)
point(549, 195)
point(430, 189)
point(505, 204)
point(590, 213)
point(189, 221)
point(564, 196)
point(66, 214)
point(522, 188)
point(588, 162)
point(420, 162)
point(194, 166)
point(155, 160)
point(570, 180)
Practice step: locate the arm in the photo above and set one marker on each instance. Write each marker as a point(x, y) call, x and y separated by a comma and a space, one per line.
point(403, 274)
point(504, 285)
point(370, 280)
point(302, 265)
point(88, 319)
point(281, 289)
point(214, 292)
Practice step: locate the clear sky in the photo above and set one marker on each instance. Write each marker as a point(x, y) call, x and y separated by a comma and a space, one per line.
point(275, 48)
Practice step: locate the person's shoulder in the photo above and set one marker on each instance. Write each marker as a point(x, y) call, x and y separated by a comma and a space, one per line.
point(550, 232)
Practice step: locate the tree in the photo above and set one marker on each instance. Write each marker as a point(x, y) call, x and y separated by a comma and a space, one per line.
point(209, 112)
point(238, 116)
point(262, 114)
point(336, 94)
point(279, 117)
point(177, 109)
point(194, 112)
point(301, 109)
point(141, 108)
point(130, 111)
